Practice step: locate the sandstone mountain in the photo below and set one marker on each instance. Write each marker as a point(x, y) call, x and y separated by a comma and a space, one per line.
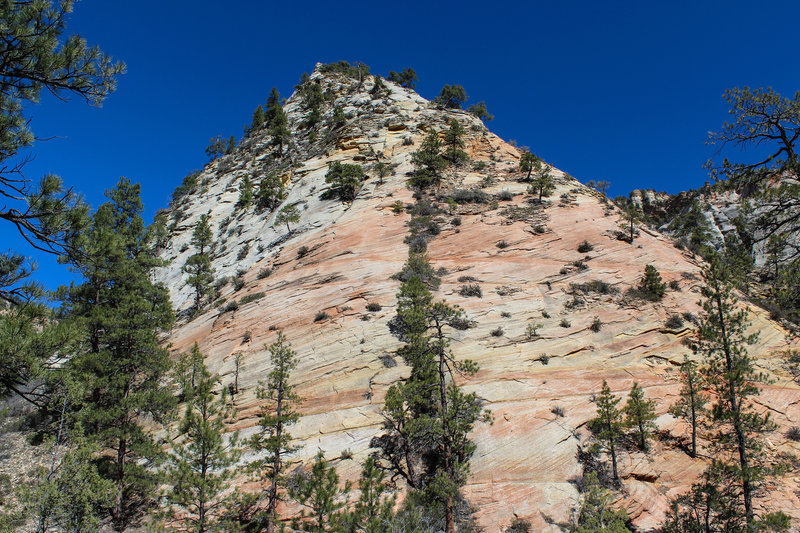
point(315, 282)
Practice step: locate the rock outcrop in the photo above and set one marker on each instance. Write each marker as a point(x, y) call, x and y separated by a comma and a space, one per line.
point(341, 257)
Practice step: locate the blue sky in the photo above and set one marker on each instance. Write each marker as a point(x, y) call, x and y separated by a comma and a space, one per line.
point(621, 91)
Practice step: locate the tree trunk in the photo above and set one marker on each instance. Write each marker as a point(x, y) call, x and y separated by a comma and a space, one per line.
point(614, 460)
point(117, 514)
point(694, 421)
point(747, 491)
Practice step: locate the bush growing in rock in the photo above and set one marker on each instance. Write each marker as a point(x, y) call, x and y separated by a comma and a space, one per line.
point(674, 322)
point(472, 289)
point(584, 247)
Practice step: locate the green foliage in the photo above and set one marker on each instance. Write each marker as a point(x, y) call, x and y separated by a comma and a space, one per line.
point(187, 186)
point(37, 57)
point(729, 371)
point(374, 509)
point(630, 216)
point(691, 400)
point(319, 492)
point(600, 185)
point(271, 192)
point(357, 70)
point(452, 97)
point(344, 180)
point(201, 463)
point(608, 427)
point(198, 265)
point(596, 514)
point(231, 145)
point(542, 182)
point(480, 111)
point(278, 122)
point(405, 78)
point(312, 99)
point(640, 414)
point(216, 148)
point(693, 226)
point(122, 315)
point(528, 162)
point(277, 412)
point(382, 169)
point(29, 337)
point(245, 193)
point(338, 119)
point(454, 144)
point(71, 495)
point(289, 214)
point(428, 417)
point(258, 121)
point(715, 505)
point(651, 285)
point(379, 88)
point(428, 162)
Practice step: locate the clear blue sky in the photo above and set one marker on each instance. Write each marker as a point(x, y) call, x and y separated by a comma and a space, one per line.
point(621, 91)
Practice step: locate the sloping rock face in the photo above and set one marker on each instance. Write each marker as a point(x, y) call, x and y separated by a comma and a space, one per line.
point(341, 257)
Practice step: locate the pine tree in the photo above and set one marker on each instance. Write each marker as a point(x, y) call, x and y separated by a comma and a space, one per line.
point(71, 495)
point(631, 215)
point(596, 514)
point(729, 371)
point(37, 56)
point(405, 78)
point(201, 461)
point(338, 119)
point(271, 192)
point(277, 413)
point(273, 103)
point(528, 162)
point(245, 193)
point(258, 121)
point(651, 285)
point(608, 426)
point(479, 110)
point(452, 97)
point(692, 400)
point(374, 509)
point(428, 162)
point(198, 265)
point(319, 492)
point(216, 148)
point(542, 183)
point(312, 99)
point(280, 130)
point(428, 417)
point(344, 180)
point(640, 415)
point(286, 215)
point(231, 145)
point(123, 314)
point(382, 169)
point(454, 144)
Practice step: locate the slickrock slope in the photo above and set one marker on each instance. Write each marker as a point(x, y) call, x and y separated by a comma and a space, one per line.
point(526, 459)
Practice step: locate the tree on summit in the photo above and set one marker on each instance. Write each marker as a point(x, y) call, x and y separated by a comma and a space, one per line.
point(452, 97)
point(406, 78)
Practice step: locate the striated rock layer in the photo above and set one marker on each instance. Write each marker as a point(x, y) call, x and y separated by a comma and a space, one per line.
point(526, 461)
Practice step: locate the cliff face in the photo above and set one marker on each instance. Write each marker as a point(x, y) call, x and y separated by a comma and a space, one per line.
point(527, 459)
